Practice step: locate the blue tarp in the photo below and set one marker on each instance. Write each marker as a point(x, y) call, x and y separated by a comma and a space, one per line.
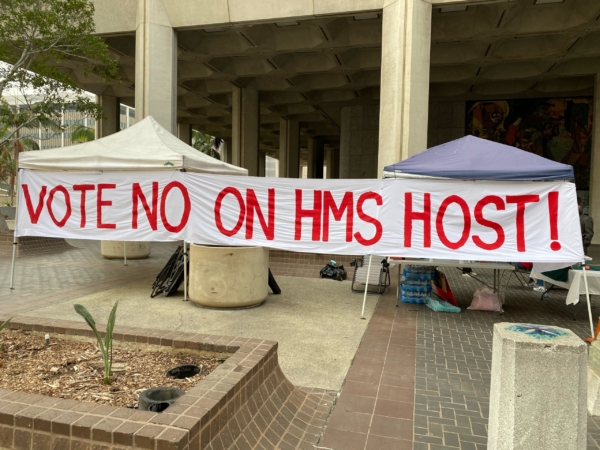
point(472, 158)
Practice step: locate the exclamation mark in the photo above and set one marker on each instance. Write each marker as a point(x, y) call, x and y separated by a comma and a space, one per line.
point(553, 209)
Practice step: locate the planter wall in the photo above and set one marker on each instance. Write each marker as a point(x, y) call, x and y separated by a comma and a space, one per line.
point(221, 411)
point(135, 250)
point(228, 277)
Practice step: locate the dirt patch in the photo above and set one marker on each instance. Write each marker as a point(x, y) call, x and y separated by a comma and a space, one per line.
point(72, 369)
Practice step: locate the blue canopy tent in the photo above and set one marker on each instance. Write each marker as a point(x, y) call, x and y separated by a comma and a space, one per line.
point(473, 158)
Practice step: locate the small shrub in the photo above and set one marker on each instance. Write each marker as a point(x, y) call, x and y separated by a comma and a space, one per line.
point(105, 345)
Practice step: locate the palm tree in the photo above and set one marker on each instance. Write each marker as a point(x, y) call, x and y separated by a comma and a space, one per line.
point(206, 143)
point(81, 133)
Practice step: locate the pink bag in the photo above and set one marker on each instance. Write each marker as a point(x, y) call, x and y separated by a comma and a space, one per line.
point(485, 299)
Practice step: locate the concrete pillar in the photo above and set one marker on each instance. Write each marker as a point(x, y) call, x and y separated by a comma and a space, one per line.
point(111, 110)
point(319, 160)
point(227, 150)
point(289, 148)
point(594, 194)
point(336, 163)
point(262, 164)
point(405, 55)
point(245, 122)
point(538, 395)
point(329, 157)
point(184, 132)
point(310, 163)
point(594, 379)
point(155, 65)
point(359, 140)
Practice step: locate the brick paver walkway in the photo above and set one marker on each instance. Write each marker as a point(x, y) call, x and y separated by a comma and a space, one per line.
point(375, 409)
point(449, 405)
point(420, 380)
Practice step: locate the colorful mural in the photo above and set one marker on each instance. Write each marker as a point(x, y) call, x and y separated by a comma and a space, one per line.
point(559, 129)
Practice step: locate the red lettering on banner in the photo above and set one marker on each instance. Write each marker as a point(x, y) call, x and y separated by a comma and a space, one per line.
point(346, 206)
point(553, 210)
point(187, 207)
point(410, 216)
point(65, 193)
point(83, 188)
point(34, 215)
point(500, 206)
point(252, 207)
point(242, 214)
point(439, 222)
point(369, 219)
point(521, 201)
point(100, 203)
point(138, 195)
point(314, 214)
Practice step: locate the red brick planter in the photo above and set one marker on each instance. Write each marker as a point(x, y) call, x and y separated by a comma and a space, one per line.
point(244, 403)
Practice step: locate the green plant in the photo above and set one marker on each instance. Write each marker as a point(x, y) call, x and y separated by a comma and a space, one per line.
point(206, 144)
point(81, 133)
point(106, 345)
point(49, 48)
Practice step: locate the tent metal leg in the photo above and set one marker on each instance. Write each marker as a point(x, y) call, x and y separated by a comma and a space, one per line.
point(587, 297)
point(124, 253)
point(185, 270)
point(362, 316)
point(15, 238)
point(12, 267)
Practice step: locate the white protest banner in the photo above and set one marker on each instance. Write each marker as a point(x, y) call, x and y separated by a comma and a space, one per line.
point(419, 218)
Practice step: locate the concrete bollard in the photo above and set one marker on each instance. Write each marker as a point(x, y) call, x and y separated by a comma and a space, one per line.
point(115, 249)
point(594, 379)
point(538, 396)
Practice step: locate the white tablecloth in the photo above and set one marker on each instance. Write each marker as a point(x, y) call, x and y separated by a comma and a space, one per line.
point(575, 285)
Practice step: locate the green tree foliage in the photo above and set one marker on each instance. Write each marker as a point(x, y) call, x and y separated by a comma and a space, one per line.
point(206, 143)
point(81, 133)
point(42, 42)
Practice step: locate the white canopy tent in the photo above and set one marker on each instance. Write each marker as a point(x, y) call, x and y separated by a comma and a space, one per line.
point(145, 146)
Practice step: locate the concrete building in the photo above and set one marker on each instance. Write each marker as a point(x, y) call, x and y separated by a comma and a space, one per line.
point(341, 88)
point(70, 118)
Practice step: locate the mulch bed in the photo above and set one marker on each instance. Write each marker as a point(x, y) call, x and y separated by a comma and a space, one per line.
point(72, 369)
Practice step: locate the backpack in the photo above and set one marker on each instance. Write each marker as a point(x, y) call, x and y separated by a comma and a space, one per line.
point(333, 271)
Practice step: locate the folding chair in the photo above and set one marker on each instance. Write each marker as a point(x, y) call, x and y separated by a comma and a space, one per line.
point(519, 274)
point(379, 276)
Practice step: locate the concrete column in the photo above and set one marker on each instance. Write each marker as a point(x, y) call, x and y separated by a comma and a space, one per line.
point(111, 111)
point(405, 55)
point(538, 395)
point(155, 65)
point(245, 122)
point(184, 132)
point(262, 163)
point(335, 159)
point(319, 160)
point(594, 195)
point(227, 153)
point(329, 163)
point(289, 148)
point(359, 142)
point(310, 163)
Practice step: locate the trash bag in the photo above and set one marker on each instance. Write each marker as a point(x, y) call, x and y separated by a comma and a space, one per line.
point(333, 271)
point(485, 299)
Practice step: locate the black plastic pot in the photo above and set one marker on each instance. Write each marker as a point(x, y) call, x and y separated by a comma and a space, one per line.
point(182, 372)
point(159, 398)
